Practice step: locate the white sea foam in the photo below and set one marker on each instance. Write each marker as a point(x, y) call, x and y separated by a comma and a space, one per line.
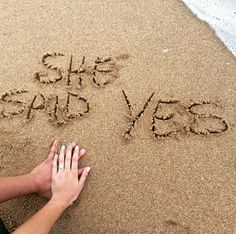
point(220, 15)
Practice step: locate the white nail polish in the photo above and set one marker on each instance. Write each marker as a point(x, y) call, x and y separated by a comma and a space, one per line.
point(88, 169)
point(77, 147)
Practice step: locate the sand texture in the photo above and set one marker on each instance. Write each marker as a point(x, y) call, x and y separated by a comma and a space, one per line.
point(146, 88)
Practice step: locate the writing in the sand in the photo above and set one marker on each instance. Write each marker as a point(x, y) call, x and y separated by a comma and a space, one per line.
point(169, 117)
point(62, 72)
point(101, 71)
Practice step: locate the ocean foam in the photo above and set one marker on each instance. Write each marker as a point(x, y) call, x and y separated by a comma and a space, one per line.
point(220, 15)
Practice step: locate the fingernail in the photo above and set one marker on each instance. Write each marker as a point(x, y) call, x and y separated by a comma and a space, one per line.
point(77, 147)
point(82, 151)
point(88, 169)
point(63, 147)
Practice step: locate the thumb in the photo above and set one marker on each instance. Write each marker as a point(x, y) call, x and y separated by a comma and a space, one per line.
point(53, 150)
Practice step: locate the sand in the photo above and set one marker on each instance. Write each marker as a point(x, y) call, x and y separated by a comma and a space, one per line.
point(162, 163)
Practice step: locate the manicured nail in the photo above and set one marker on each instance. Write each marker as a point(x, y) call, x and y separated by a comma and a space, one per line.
point(88, 169)
point(82, 151)
point(63, 147)
point(77, 147)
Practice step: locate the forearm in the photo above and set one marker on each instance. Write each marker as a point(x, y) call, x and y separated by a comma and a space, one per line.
point(42, 221)
point(12, 187)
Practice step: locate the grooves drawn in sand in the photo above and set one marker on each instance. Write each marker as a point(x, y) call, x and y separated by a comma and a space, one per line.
point(43, 77)
point(12, 92)
point(78, 72)
point(134, 118)
point(68, 112)
point(189, 119)
point(47, 64)
point(206, 123)
point(6, 98)
point(59, 114)
point(37, 103)
point(170, 118)
point(103, 72)
point(62, 114)
point(174, 227)
point(36, 106)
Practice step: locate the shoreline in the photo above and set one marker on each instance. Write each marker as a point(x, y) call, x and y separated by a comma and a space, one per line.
point(221, 17)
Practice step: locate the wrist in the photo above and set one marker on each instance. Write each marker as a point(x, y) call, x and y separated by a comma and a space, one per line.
point(36, 181)
point(32, 182)
point(60, 203)
point(53, 209)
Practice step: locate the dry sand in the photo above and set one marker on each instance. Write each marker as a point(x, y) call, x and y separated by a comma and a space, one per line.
point(183, 182)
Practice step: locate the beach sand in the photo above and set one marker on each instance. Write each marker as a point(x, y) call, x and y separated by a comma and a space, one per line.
point(166, 164)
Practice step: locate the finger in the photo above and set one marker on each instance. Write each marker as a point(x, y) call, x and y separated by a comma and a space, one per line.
point(68, 157)
point(80, 171)
point(81, 153)
point(83, 178)
point(54, 166)
point(61, 158)
point(73, 145)
point(53, 150)
point(75, 159)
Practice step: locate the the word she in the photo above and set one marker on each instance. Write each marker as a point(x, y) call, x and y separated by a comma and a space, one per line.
point(102, 71)
point(169, 117)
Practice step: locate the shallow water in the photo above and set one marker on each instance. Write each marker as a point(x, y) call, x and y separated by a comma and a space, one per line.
point(220, 15)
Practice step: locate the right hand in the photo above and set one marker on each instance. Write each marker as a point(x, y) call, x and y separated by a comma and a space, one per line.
point(65, 185)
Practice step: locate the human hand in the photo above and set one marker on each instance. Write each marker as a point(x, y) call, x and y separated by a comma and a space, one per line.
point(42, 174)
point(65, 185)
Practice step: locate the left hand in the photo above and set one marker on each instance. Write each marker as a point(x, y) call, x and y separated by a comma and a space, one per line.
point(66, 186)
point(42, 174)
